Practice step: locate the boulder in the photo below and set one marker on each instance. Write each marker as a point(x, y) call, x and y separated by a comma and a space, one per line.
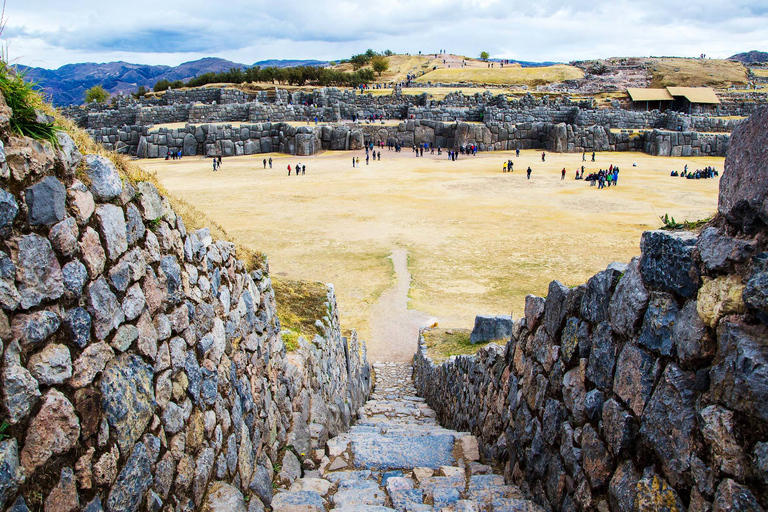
point(9, 208)
point(45, 202)
point(54, 431)
point(628, 303)
point(105, 180)
point(38, 273)
point(667, 262)
point(743, 198)
point(489, 328)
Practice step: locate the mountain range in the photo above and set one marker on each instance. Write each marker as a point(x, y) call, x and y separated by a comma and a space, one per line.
point(67, 84)
point(752, 57)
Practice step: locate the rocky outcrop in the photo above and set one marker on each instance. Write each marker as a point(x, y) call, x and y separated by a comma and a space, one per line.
point(143, 365)
point(644, 389)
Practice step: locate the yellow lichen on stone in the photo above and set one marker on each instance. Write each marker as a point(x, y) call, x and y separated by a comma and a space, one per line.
point(720, 297)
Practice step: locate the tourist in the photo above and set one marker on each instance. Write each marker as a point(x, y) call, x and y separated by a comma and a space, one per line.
point(562, 174)
point(219, 160)
point(504, 167)
point(358, 161)
point(298, 168)
point(265, 163)
point(379, 156)
point(584, 156)
point(214, 165)
point(510, 166)
point(303, 169)
point(593, 156)
point(353, 162)
point(528, 172)
point(366, 158)
point(289, 169)
point(270, 162)
point(543, 156)
point(517, 152)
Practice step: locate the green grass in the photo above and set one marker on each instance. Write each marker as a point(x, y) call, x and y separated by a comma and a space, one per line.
point(669, 223)
point(25, 101)
point(444, 343)
point(299, 305)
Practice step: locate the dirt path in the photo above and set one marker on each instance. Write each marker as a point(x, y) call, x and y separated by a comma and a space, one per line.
point(394, 326)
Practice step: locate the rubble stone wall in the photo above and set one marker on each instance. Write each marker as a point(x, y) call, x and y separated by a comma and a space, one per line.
point(646, 387)
point(142, 362)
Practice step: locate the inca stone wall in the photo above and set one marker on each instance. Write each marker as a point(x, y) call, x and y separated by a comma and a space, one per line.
point(646, 387)
point(143, 366)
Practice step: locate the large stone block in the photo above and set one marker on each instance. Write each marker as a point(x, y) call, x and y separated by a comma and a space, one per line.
point(667, 262)
point(743, 198)
point(489, 328)
point(45, 202)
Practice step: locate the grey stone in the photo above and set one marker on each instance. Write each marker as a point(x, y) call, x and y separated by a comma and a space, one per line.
point(134, 302)
point(554, 308)
point(739, 374)
point(306, 501)
point(744, 183)
point(172, 272)
point(149, 201)
point(134, 225)
point(133, 481)
point(534, 311)
point(128, 398)
point(597, 297)
point(593, 404)
point(38, 273)
point(104, 308)
point(92, 252)
point(9, 295)
point(64, 236)
point(223, 497)
point(75, 275)
point(636, 375)
point(173, 418)
point(719, 252)
point(756, 289)
point(733, 496)
point(602, 357)
point(393, 451)
point(45, 202)
point(105, 180)
point(91, 362)
point(628, 303)
point(717, 428)
point(203, 470)
point(20, 389)
point(760, 458)
point(124, 337)
point(669, 421)
point(33, 329)
point(9, 208)
point(691, 337)
point(77, 325)
point(11, 473)
point(667, 262)
point(488, 328)
point(261, 484)
point(52, 365)
point(113, 230)
point(619, 427)
point(656, 333)
point(290, 468)
point(575, 337)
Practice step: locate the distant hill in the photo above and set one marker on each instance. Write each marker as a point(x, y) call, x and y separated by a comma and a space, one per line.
point(527, 63)
point(752, 57)
point(67, 84)
point(275, 63)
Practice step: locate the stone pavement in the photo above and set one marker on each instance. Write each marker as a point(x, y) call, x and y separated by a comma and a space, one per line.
point(397, 457)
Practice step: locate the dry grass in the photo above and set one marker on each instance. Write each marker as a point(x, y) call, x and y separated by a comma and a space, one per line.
point(444, 343)
point(505, 76)
point(761, 72)
point(478, 240)
point(697, 73)
point(439, 93)
point(299, 305)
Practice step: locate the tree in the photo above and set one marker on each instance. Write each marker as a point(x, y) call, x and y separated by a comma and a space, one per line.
point(388, 53)
point(96, 94)
point(359, 60)
point(141, 92)
point(484, 55)
point(379, 64)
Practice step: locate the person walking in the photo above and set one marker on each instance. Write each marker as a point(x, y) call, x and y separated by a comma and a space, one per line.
point(289, 169)
point(265, 163)
point(504, 167)
point(353, 162)
point(584, 156)
point(528, 172)
point(517, 153)
point(562, 174)
point(214, 165)
point(543, 156)
point(366, 159)
point(593, 156)
point(270, 162)
point(303, 170)
point(298, 168)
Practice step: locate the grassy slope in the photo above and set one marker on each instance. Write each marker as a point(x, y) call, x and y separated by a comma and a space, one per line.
point(444, 343)
point(505, 76)
point(697, 73)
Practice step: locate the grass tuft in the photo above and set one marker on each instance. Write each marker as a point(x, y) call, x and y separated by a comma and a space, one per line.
point(444, 343)
point(22, 97)
point(299, 305)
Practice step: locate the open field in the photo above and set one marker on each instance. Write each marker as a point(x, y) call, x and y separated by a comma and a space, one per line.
point(761, 72)
point(697, 72)
point(505, 76)
point(476, 240)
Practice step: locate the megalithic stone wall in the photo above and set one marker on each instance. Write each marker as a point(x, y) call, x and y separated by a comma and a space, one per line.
point(645, 388)
point(142, 362)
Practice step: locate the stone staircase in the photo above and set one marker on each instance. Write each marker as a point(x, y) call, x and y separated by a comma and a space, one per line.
point(397, 457)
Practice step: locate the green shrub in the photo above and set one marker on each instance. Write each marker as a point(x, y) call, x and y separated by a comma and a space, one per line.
point(22, 97)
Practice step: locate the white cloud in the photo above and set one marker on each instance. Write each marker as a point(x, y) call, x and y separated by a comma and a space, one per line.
point(49, 33)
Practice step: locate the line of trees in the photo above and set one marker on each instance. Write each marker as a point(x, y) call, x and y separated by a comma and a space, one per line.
point(299, 75)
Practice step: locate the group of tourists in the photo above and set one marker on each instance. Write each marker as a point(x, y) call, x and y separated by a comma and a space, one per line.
point(216, 163)
point(603, 178)
point(300, 169)
point(173, 155)
point(705, 173)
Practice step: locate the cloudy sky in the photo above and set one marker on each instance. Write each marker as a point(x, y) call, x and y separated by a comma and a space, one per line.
point(51, 33)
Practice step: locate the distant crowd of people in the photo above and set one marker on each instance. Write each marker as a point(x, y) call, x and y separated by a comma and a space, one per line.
point(705, 173)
